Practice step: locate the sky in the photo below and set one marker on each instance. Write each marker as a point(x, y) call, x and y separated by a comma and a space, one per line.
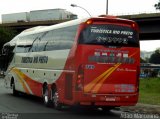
point(94, 7)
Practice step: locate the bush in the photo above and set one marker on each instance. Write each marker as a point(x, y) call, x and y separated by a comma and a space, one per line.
point(6, 34)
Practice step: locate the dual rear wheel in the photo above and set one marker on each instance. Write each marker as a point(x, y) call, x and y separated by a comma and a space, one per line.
point(49, 99)
point(52, 98)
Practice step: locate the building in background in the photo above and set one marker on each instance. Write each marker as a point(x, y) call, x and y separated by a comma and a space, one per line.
point(146, 55)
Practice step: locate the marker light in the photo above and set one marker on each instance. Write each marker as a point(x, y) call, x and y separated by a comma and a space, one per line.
point(133, 25)
point(89, 21)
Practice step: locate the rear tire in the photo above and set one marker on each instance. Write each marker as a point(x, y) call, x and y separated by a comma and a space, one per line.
point(107, 109)
point(14, 91)
point(46, 97)
point(55, 99)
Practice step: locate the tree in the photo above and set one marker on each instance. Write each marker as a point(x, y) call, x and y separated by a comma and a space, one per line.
point(155, 57)
point(142, 60)
point(157, 6)
point(6, 34)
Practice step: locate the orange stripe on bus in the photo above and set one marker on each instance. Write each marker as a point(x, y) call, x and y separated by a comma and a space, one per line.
point(100, 83)
point(96, 84)
point(20, 76)
point(89, 86)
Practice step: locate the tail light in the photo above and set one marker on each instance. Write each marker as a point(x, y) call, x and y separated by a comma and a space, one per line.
point(135, 26)
point(80, 78)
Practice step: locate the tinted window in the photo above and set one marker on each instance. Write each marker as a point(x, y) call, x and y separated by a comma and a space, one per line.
point(57, 39)
point(60, 39)
point(109, 35)
point(35, 39)
point(20, 49)
point(24, 44)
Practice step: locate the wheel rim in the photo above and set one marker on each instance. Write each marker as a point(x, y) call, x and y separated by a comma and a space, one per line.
point(56, 99)
point(45, 97)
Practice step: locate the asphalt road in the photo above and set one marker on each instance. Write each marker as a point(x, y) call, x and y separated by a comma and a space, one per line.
point(30, 107)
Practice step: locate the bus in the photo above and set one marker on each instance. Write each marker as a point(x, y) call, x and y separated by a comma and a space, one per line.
point(87, 62)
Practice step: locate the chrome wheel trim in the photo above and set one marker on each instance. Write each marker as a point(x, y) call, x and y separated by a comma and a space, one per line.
point(46, 99)
point(55, 99)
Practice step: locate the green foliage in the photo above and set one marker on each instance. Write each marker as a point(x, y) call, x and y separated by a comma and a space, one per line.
point(6, 35)
point(142, 60)
point(150, 85)
point(150, 91)
point(157, 6)
point(155, 57)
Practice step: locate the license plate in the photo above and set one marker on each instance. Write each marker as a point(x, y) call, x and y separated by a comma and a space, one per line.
point(111, 99)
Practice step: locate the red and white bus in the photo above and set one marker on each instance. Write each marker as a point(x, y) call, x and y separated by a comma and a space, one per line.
point(92, 62)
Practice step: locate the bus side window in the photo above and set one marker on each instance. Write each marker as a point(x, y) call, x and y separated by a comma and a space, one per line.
point(60, 39)
point(34, 45)
point(43, 41)
point(38, 42)
point(20, 49)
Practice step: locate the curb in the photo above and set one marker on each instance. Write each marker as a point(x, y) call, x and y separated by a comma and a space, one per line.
point(142, 108)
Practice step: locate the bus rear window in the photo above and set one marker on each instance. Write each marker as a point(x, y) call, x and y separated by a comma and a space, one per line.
point(109, 35)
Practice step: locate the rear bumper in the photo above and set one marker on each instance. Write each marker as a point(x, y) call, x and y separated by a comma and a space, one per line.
point(106, 99)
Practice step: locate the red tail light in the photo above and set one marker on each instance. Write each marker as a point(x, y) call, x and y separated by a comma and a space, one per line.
point(135, 26)
point(80, 78)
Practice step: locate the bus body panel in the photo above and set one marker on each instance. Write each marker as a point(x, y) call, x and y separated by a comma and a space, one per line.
point(108, 84)
point(31, 76)
point(85, 73)
point(107, 72)
point(110, 74)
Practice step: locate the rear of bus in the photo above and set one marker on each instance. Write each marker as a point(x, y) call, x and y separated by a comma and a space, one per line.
point(107, 60)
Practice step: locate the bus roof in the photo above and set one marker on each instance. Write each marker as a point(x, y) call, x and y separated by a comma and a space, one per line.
point(40, 29)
